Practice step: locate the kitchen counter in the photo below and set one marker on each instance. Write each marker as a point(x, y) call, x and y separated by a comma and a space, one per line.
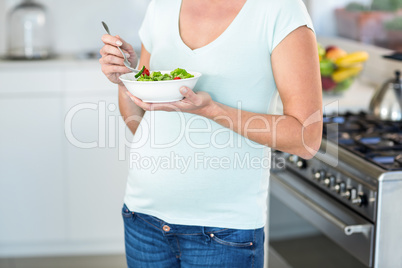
point(56, 62)
point(355, 99)
point(61, 75)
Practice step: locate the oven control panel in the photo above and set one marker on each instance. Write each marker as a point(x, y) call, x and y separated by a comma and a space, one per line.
point(348, 189)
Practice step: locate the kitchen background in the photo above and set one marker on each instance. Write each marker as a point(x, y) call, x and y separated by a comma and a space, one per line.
point(75, 25)
point(57, 199)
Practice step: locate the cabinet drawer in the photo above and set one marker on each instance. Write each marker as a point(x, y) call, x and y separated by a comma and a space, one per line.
point(30, 81)
point(88, 79)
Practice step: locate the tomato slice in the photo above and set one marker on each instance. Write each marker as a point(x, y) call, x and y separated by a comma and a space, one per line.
point(176, 78)
point(146, 72)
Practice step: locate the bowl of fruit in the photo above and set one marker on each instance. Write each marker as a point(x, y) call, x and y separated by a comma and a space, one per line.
point(339, 68)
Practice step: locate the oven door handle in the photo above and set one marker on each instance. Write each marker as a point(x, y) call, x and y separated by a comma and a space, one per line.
point(343, 226)
point(364, 229)
point(356, 229)
point(347, 229)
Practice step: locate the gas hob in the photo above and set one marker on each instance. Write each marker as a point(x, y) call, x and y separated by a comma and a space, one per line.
point(358, 152)
point(377, 141)
point(353, 184)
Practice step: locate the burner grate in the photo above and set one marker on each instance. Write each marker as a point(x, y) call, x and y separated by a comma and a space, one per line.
point(380, 142)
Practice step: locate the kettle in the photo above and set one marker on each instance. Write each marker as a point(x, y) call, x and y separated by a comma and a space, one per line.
point(28, 33)
point(386, 103)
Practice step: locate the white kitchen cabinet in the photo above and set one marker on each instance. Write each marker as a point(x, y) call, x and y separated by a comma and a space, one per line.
point(37, 80)
point(58, 196)
point(95, 174)
point(32, 183)
point(96, 177)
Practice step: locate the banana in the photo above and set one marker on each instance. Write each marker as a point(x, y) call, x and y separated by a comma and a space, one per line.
point(351, 59)
point(342, 74)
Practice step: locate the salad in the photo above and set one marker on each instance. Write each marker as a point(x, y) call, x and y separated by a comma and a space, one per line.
point(145, 75)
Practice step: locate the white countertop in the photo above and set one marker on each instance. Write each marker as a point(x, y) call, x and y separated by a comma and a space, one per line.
point(68, 61)
point(355, 99)
point(60, 75)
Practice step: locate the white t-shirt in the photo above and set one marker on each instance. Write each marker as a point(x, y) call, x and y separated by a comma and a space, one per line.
point(186, 169)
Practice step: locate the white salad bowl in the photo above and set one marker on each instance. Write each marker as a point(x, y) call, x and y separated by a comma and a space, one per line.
point(158, 91)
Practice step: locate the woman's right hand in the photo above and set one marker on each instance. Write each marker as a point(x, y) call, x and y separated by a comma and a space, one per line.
point(112, 59)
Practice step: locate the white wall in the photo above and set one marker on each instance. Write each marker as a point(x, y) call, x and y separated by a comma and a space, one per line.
point(76, 25)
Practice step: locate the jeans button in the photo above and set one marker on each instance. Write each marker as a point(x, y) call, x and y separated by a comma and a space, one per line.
point(166, 228)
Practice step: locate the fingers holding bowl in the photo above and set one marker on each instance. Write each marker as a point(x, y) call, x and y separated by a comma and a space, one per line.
point(190, 96)
point(144, 105)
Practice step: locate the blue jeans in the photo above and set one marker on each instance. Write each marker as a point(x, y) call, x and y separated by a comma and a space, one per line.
point(151, 242)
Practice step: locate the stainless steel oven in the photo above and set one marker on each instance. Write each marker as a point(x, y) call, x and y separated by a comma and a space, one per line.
point(350, 193)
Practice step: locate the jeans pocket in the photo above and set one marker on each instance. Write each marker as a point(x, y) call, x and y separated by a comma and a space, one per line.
point(126, 213)
point(234, 237)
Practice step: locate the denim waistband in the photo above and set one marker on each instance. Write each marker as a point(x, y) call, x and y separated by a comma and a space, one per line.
point(176, 229)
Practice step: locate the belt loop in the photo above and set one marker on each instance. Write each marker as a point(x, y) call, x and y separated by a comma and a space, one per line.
point(207, 237)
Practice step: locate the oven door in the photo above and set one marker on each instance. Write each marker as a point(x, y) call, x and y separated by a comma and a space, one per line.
point(335, 222)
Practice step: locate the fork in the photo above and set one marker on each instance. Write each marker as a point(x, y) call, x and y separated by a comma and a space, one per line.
point(126, 62)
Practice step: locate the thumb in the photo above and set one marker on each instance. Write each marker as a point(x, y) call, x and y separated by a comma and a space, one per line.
point(189, 95)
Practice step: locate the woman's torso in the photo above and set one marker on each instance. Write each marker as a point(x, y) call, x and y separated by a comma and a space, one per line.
point(186, 169)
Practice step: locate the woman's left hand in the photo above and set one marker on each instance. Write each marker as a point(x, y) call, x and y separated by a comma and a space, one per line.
point(199, 103)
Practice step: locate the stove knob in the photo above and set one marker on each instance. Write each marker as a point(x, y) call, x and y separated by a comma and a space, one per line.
point(353, 194)
point(340, 187)
point(346, 194)
point(329, 181)
point(319, 175)
point(301, 163)
point(337, 188)
point(359, 200)
point(293, 158)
